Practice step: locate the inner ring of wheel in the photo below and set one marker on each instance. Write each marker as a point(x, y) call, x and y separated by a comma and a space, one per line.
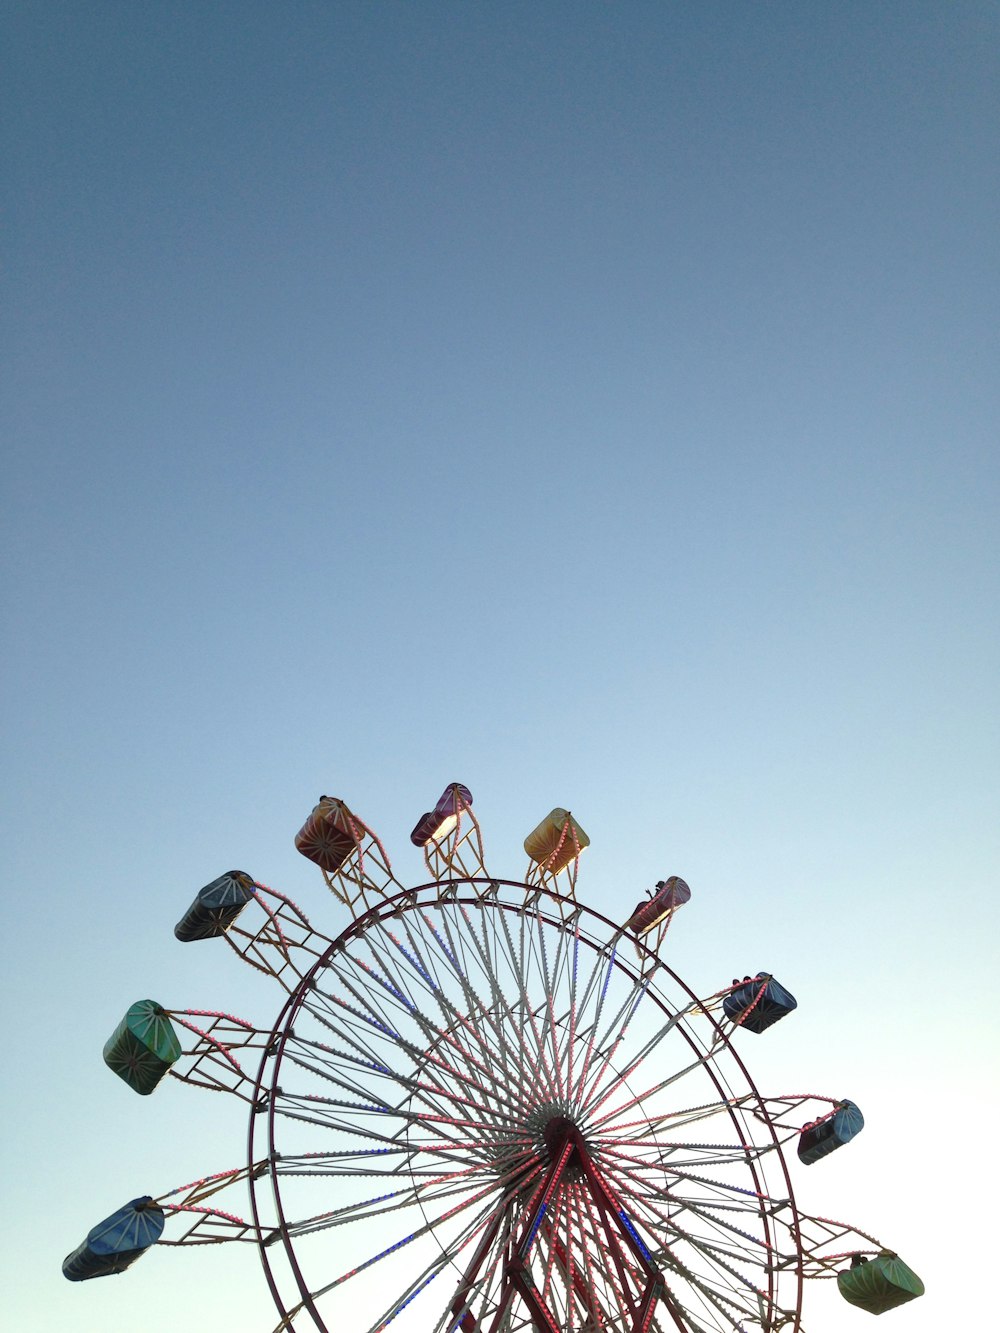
point(479, 893)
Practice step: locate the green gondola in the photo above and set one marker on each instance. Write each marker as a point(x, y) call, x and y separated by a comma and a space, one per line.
point(880, 1284)
point(143, 1046)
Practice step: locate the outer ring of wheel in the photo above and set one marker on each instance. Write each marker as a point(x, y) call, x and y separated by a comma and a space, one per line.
point(265, 1091)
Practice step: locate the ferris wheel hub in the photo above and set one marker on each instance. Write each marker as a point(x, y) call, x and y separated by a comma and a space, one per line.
point(555, 1134)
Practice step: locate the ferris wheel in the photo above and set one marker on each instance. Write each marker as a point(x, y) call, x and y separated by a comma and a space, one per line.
point(486, 1108)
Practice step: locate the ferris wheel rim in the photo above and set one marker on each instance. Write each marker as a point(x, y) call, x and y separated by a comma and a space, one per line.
point(482, 892)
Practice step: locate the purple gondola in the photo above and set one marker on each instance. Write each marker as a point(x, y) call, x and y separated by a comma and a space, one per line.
point(649, 912)
point(439, 822)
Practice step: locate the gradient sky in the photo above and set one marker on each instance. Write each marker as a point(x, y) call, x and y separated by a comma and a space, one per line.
point(595, 404)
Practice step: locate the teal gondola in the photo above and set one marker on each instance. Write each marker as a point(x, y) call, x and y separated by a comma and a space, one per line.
point(143, 1046)
point(879, 1284)
point(758, 1003)
point(827, 1135)
point(216, 907)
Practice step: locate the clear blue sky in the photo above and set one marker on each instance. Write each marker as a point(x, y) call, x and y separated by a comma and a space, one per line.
point(596, 404)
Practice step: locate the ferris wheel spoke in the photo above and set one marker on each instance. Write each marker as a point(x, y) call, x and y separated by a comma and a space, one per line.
point(370, 1039)
point(334, 1011)
point(716, 1292)
point(557, 1236)
point(415, 969)
point(334, 1106)
point(608, 1046)
point(690, 1116)
point(570, 1020)
point(380, 1004)
point(715, 1281)
point(718, 1234)
point(378, 1207)
point(480, 1282)
point(356, 983)
point(346, 1162)
point(326, 1062)
point(472, 955)
point(451, 1055)
point(553, 986)
point(369, 986)
point(723, 1194)
point(576, 1022)
point(527, 1057)
point(545, 1040)
point(581, 1291)
point(659, 1155)
point(547, 1248)
point(726, 1315)
point(409, 1239)
point(514, 961)
point(452, 1147)
point(426, 1195)
point(431, 988)
point(721, 1250)
point(371, 1059)
point(519, 1063)
point(543, 1066)
point(636, 1062)
point(513, 1059)
point(652, 1220)
point(331, 1073)
point(637, 1099)
point(428, 1109)
point(440, 1098)
point(414, 1050)
point(473, 1037)
point(600, 979)
point(557, 984)
point(524, 1018)
point(662, 1033)
point(454, 1099)
point(603, 960)
point(310, 1049)
point(471, 1228)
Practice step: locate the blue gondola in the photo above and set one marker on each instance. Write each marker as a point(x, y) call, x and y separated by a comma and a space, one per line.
point(116, 1242)
point(216, 907)
point(743, 1006)
point(821, 1139)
